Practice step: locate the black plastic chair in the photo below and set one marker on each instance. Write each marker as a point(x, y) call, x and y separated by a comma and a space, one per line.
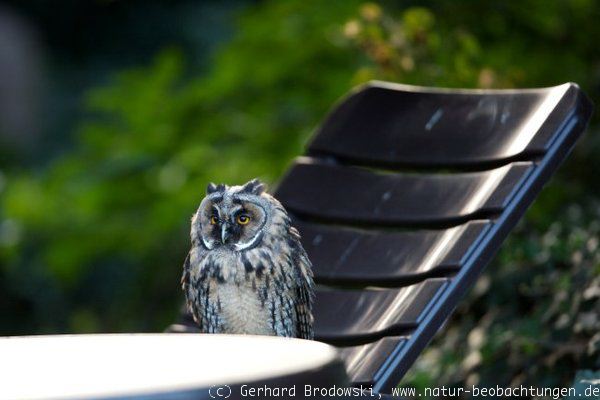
point(404, 196)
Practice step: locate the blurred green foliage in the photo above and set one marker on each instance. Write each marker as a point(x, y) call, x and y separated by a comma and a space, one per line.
point(94, 239)
point(533, 318)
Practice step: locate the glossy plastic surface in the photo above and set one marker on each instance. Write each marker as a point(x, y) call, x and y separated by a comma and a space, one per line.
point(383, 123)
point(346, 315)
point(414, 189)
point(356, 195)
point(363, 362)
point(386, 258)
point(160, 366)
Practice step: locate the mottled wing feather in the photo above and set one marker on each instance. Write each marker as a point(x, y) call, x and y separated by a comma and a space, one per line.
point(304, 289)
point(197, 292)
point(206, 311)
point(185, 277)
point(280, 304)
point(304, 325)
point(191, 295)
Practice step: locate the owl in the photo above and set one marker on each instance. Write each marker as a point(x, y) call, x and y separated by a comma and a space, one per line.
point(247, 272)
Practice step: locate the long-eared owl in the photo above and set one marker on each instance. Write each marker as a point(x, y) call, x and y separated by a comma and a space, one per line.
point(247, 271)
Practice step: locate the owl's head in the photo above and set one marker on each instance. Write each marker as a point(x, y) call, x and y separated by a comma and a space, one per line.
point(234, 217)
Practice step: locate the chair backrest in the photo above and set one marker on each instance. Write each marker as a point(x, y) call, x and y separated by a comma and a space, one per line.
point(404, 196)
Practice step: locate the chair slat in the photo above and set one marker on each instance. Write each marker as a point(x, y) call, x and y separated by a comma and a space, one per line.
point(346, 255)
point(357, 195)
point(390, 124)
point(343, 316)
point(364, 361)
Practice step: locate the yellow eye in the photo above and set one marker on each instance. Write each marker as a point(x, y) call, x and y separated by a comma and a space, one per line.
point(243, 219)
point(213, 220)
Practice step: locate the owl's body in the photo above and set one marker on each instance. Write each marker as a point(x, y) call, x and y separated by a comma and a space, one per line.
point(247, 272)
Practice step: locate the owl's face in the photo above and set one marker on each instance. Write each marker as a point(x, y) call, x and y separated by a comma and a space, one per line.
point(232, 218)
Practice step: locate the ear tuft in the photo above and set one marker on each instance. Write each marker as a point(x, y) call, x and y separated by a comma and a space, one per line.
point(212, 188)
point(254, 187)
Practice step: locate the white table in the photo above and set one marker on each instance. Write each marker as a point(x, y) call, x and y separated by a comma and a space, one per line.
point(161, 366)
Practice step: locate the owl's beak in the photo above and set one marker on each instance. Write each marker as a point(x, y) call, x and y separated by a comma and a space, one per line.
point(224, 233)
